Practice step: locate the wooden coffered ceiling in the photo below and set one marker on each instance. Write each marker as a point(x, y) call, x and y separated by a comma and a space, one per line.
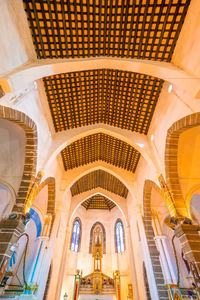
point(98, 202)
point(103, 147)
point(142, 29)
point(102, 179)
point(118, 98)
point(138, 29)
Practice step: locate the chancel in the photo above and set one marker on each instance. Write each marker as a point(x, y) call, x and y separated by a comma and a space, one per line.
point(99, 149)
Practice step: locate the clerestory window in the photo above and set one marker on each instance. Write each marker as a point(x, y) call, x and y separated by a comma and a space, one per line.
point(119, 237)
point(75, 240)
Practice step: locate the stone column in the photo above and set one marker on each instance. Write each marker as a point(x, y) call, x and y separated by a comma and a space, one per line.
point(189, 236)
point(148, 248)
point(39, 260)
point(166, 271)
point(10, 231)
point(132, 263)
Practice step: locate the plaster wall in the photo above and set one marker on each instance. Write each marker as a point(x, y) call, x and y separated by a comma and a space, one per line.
point(188, 159)
point(58, 242)
point(14, 34)
point(186, 54)
point(12, 153)
point(6, 201)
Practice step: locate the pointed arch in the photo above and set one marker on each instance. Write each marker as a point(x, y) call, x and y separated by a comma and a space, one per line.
point(171, 158)
point(30, 162)
point(91, 236)
point(50, 182)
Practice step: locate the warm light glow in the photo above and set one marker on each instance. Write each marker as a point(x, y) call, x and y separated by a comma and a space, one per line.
point(170, 88)
point(140, 145)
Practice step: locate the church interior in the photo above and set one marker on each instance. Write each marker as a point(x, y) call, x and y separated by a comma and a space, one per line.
point(100, 149)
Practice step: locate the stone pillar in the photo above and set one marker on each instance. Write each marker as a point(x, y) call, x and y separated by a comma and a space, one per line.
point(189, 236)
point(147, 248)
point(10, 231)
point(132, 263)
point(165, 266)
point(39, 260)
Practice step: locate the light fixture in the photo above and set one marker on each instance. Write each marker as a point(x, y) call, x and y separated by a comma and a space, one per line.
point(140, 145)
point(170, 88)
point(65, 296)
point(35, 85)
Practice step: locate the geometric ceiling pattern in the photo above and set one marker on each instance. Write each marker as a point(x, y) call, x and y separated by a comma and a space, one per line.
point(118, 28)
point(102, 147)
point(102, 179)
point(123, 99)
point(98, 202)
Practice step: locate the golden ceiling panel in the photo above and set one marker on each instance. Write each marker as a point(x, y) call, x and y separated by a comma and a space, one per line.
point(142, 29)
point(102, 179)
point(103, 147)
point(98, 202)
point(123, 99)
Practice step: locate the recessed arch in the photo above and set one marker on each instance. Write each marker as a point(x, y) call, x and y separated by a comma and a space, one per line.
point(102, 179)
point(72, 176)
point(171, 158)
point(30, 162)
point(65, 138)
point(48, 67)
point(189, 197)
point(77, 200)
point(50, 183)
point(91, 236)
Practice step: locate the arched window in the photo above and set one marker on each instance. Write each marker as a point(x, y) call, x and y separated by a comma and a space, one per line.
point(76, 233)
point(119, 237)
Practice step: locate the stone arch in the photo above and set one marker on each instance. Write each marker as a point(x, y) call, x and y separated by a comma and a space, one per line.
point(146, 283)
point(189, 197)
point(50, 182)
point(30, 162)
point(120, 202)
point(171, 158)
point(154, 254)
point(104, 236)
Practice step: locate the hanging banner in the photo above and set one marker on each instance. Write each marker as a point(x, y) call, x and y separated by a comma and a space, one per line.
point(76, 286)
point(117, 284)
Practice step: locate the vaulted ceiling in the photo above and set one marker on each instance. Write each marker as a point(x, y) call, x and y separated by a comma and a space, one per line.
point(103, 147)
point(102, 179)
point(134, 29)
point(98, 202)
point(142, 29)
point(123, 99)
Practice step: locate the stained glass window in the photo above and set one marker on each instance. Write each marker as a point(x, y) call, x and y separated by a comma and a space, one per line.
point(76, 236)
point(119, 232)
